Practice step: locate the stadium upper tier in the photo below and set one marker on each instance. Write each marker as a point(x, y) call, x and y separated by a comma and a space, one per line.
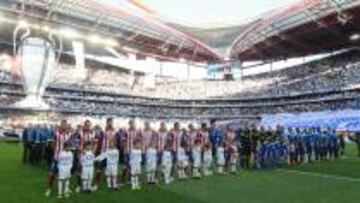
point(327, 84)
point(304, 28)
point(132, 30)
point(334, 73)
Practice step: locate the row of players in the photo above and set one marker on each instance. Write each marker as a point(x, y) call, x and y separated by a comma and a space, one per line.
point(193, 148)
point(292, 146)
point(313, 142)
point(164, 151)
point(157, 165)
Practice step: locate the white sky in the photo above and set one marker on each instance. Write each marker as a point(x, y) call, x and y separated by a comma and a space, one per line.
point(213, 13)
point(205, 13)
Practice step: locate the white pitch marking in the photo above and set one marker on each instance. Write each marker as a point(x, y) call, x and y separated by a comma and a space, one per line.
point(345, 178)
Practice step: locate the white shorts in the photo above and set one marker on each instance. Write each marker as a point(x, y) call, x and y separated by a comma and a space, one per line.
point(197, 163)
point(87, 173)
point(64, 173)
point(207, 163)
point(135, 169)
point(150, 166)
point(167, 169)
point(233, 158)
point(221, 162)
point(182, 163)
point(111, 170)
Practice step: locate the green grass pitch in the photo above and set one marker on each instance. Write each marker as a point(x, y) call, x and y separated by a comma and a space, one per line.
point(325, 182)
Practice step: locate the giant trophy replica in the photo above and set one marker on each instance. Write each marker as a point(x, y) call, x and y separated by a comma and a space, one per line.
point(37, 62)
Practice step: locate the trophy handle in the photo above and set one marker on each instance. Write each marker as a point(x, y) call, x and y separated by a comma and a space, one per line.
point(23, 36)
point(53, 41)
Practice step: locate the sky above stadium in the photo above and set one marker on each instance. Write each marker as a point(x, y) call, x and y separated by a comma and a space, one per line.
point(202, 13)
point(213, 13)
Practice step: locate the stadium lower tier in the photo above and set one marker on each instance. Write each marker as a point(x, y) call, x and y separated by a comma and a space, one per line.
point(173, 109)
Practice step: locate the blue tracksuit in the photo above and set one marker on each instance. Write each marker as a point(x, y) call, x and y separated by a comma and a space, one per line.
point(216, 135)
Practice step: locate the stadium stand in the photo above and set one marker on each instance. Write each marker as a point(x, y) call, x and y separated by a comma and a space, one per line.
point(326, 84)
point(336, 72)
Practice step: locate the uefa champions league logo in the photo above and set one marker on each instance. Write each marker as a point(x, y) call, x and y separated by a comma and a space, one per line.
point(37, 62)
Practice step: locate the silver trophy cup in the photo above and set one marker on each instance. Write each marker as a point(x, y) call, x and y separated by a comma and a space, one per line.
point(37, 63)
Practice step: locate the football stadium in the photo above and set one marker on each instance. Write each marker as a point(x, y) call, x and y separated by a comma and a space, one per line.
point(198, 101)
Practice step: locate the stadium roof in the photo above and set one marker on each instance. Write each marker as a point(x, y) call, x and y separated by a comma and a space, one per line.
point(288, 28)
point(133, 29)
point(305, 28)
point(219, 39)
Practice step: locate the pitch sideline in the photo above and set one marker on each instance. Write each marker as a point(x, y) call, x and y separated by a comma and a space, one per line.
point(320, 175)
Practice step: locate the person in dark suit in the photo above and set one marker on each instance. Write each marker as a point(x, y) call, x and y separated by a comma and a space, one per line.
point(355, 137)
point(27, 141)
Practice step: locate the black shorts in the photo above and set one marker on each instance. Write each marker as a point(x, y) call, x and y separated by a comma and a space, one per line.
point(29, 145)
point(76, 164)
point(53, 168)
point(159, 156)
point(126, 159)
point(227, 155)
point(173, 153)
point(121, 157)
point(143, 159)
point(100, 166)
point(189, 154)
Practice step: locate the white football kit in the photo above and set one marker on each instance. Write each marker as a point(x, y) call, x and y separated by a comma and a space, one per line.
point(135, 161)
point(87, 165)
point(220, 154)
point(207, 158)
point(182, 159)
point(166, 163)
point(112, 161)
point(65, 163)
point(196, 153)
point(151, 159)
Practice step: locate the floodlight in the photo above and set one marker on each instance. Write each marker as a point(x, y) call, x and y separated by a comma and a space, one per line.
point(111, 43)
point(23, 23)
point(37, 27)
point(45, 28)
point(69, 33)
point(95, 39)
point(355, 37)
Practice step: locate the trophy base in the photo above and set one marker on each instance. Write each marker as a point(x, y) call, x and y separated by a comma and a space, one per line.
point(32, 102)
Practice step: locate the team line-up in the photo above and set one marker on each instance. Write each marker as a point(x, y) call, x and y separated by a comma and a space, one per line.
point(179, 152)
